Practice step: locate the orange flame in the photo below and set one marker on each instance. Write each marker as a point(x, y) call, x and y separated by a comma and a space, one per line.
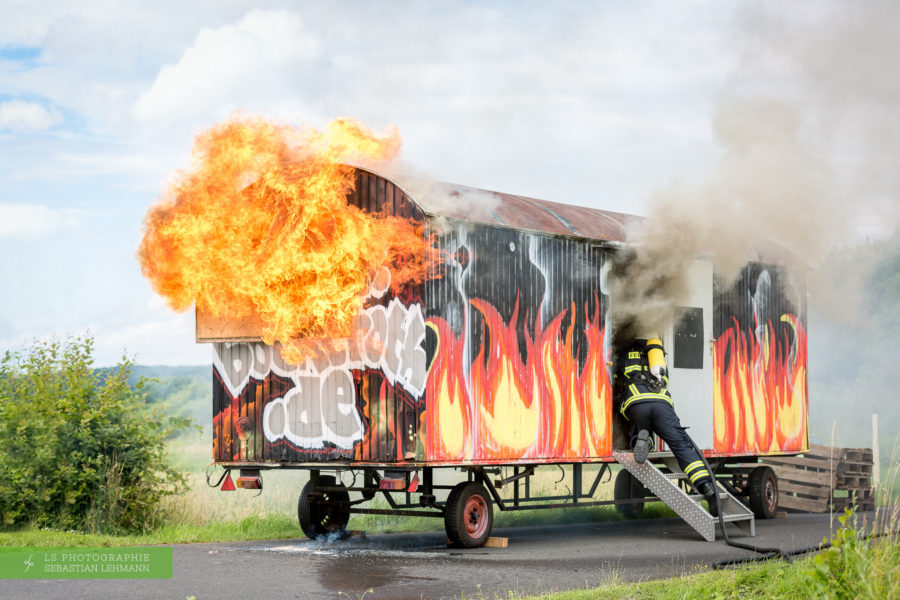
point(261, 226)
point(760, 398)
point(448, 420)
point(505, 408)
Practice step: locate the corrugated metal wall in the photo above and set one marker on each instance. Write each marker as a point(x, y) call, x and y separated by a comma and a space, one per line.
point(517, 320)
point(760, 362)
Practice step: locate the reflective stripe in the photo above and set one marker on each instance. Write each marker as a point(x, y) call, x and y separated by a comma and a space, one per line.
point(642, 397)
point(694, 465)
point(632, 368)
point(699, 475)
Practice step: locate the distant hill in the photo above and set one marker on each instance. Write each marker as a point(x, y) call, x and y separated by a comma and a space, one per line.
point(184, 391)
point(166, 372)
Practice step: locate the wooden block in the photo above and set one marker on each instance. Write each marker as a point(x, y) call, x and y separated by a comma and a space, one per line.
point(804, 504)
point(804, 476)
point(496, 542)
point(815, 464)
point(828, 452)
point(854, 482)
point(816, 491)
point(781, 514)
point(864, 454)
point(850, 466)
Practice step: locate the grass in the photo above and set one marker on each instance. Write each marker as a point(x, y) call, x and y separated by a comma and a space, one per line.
point(764, 581)
point(205, 514)
point(249, 528)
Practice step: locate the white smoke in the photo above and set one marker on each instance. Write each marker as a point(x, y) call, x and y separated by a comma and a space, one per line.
point(808, 169)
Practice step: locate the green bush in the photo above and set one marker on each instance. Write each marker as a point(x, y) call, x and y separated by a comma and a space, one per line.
point(857, 566)
point(80, 449)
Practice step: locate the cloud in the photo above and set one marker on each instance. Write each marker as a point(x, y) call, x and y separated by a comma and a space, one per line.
point(230, 67)
point(19, 116)
point(172, 338)
point(33, 221)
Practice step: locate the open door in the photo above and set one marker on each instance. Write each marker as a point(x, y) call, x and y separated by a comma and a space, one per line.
point(688, 349)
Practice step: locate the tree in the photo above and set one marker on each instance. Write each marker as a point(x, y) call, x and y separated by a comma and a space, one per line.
point(80, 449)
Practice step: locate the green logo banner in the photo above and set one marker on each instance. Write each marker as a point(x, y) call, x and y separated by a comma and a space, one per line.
point(86, 563)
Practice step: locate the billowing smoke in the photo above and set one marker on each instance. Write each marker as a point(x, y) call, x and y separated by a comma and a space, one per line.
point(809, 160)
point(438, 198)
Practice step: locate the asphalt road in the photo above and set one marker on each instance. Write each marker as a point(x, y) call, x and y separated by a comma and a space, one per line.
point(538, 559)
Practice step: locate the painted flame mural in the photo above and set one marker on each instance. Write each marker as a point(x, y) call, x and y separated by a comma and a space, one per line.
point(760, 402)
point(545, 406)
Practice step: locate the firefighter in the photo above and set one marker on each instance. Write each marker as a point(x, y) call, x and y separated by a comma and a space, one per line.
point(645, 402)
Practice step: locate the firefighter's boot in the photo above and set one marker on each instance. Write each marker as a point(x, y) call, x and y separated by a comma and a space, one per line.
point(708, 489)
point(642, 446)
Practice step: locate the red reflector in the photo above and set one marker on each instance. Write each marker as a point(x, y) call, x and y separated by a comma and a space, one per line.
point(414, 484)
point(392, 484)
point(249, 483)
point(228, 485)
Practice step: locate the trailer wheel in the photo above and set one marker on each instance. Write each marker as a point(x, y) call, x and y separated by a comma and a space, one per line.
point(762, 490)
point(629, 488)
point(468, 515)
point(321, 512)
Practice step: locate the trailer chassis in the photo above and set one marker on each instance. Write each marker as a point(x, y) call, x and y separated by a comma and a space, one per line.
point(324, 506)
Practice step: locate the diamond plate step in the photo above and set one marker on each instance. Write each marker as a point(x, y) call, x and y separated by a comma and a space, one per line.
point(657, 455)
point(687, 506)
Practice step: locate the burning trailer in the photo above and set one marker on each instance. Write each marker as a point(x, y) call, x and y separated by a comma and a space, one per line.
point(498, 361)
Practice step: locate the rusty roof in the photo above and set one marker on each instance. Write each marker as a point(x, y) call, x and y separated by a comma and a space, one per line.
point(519, 212)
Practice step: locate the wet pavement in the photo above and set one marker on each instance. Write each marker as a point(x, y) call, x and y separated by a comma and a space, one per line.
point(417, 566)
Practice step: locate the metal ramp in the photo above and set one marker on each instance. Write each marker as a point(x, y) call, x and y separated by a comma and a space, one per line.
point(687, 506)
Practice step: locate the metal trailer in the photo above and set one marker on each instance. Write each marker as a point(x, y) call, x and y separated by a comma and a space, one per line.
point(498, 365)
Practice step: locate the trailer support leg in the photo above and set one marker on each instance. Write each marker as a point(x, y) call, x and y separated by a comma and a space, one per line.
point(576, 482)
point(516, 487)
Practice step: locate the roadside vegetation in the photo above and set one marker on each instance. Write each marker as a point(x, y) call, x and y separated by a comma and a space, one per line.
point(855, 567)
point(80, 449)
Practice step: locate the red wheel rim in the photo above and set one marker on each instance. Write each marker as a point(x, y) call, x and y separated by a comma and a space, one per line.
point(475, 516)
point(771, 495)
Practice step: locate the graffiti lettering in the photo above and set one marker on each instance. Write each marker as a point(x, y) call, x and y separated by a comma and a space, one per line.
point(321, 407)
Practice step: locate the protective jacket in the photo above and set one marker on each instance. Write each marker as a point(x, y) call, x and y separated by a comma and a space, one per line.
point(639, 384)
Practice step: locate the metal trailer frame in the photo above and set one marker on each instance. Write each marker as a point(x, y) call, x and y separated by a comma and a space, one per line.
point(732, 473)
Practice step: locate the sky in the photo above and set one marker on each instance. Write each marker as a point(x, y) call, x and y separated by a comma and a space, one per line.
point(599, 104)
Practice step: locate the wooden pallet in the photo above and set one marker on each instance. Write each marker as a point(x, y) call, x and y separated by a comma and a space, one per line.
point(824, 478)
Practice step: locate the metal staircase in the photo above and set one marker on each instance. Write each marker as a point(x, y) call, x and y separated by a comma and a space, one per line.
point(687, 506)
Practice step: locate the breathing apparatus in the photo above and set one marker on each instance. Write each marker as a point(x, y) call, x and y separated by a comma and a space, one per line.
point(656, 358)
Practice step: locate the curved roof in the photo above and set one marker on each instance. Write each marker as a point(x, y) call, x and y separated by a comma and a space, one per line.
point(520, 212)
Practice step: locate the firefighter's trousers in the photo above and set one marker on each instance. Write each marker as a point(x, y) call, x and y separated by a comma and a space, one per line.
point(659, 417)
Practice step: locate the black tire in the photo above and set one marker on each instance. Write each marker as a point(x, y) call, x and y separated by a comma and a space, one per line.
point(629, 488)
point(323, 512)
point(468, 515)
point(762, 492)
